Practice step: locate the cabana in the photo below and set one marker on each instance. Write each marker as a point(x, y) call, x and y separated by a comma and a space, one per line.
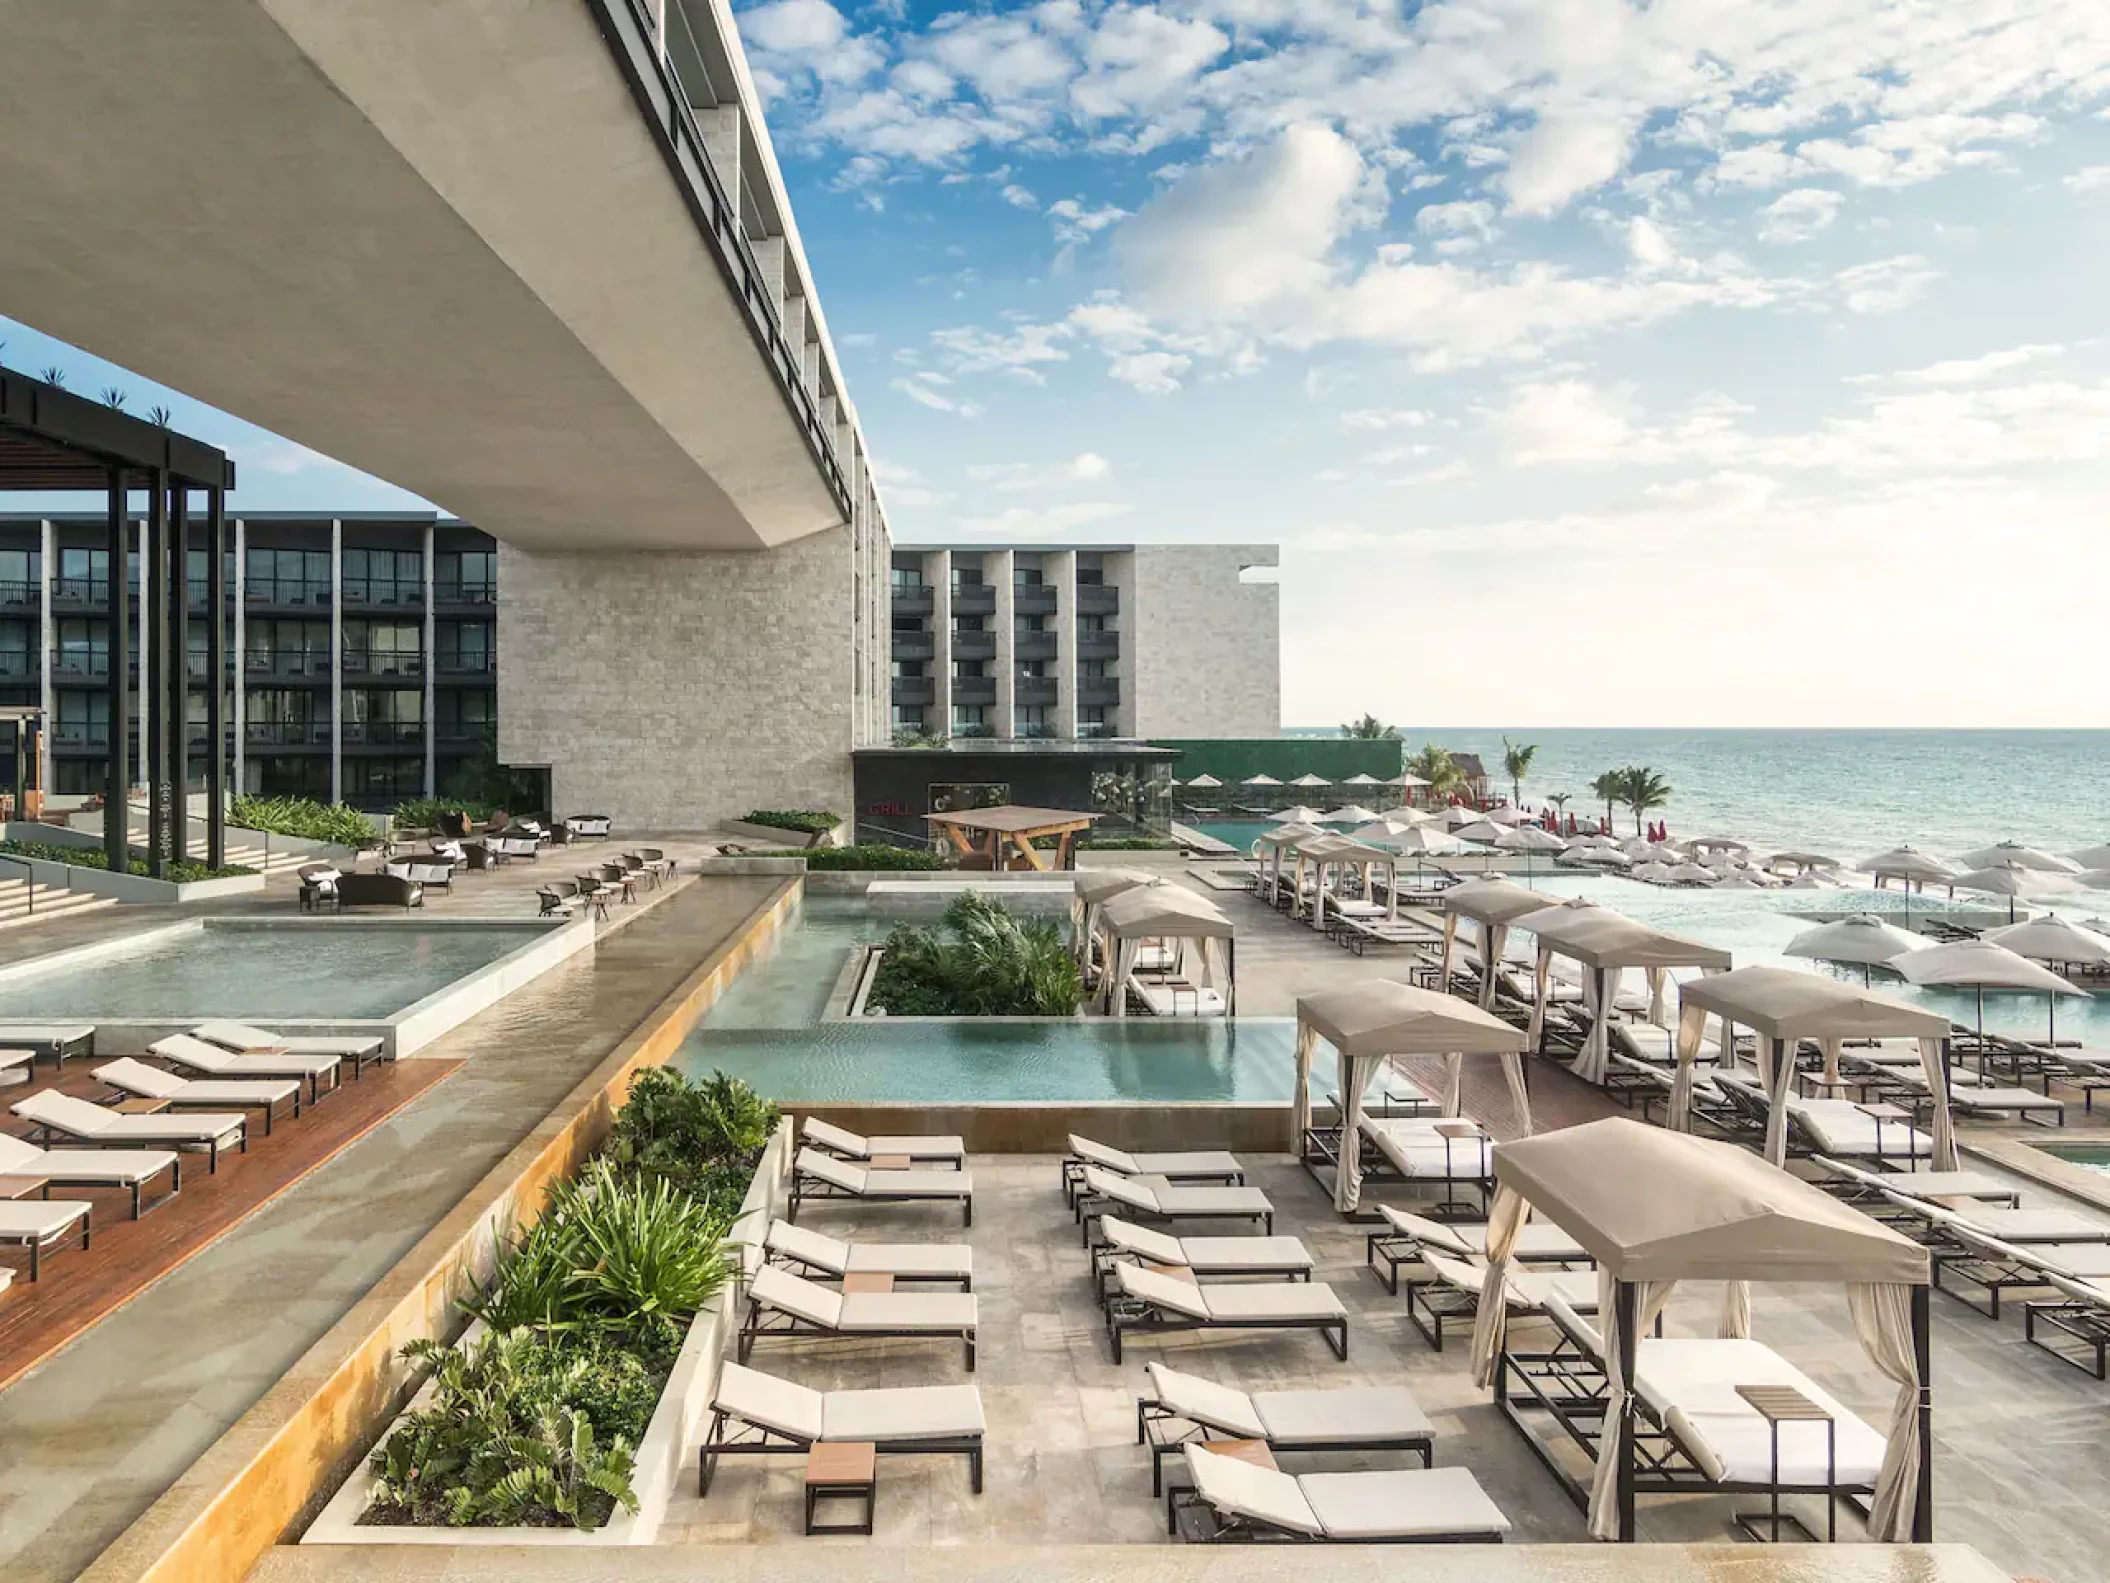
point(1368, 1023)
point(1351, 853)
point(1494, 904)
point(1317, 850)
point(1655, 1208)
point(1166, 912)
point(1604, 944)
point(1784, 1007)
point(1273, 843)
point(1093, 889)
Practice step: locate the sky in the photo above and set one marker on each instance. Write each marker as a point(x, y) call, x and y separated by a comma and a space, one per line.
point(1701, 362)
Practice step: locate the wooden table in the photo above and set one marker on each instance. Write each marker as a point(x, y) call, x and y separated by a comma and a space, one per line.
point(867, 1281)
point(1783, 1404)
point(22, 1186)
point(984, 833)
point(842, 1470)
point(140, 1107)
point(889, 1162)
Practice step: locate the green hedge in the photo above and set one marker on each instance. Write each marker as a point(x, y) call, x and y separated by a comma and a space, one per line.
point(184, 872)
point(981, 961)
point(1128, 843)
point(423, 813)
point(812, 821)
point(872, 855)
point(307, 818)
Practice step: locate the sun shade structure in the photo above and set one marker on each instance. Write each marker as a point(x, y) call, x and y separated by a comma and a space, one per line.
point(1370, 1022)
point(1170, 913)
point(1094, 888)
point(985, 832)
point(1273, 843)
point(1351, 813)
point(1493, 904)
point(1309, 779)
point(1655, 1208)
point(1362, 780)
point(1984, 965)
point(1342, 853)
point(1863, 939)
point(1260, 780)
point(1205, 782)
point(1605, 944)
point(1783, 1008)
point(1910, 864)
point(2003, 852)
point(2052, 939)
point(1303, 813)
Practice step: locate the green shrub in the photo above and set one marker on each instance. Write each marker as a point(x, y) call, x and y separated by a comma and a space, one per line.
point(182, 871)
point(305, 817)
point(980, 962)
point(813, 821)
point(1127, 843)
point(423, 813)
point(869, 855)
point(704, 1137)
point(648, 1254)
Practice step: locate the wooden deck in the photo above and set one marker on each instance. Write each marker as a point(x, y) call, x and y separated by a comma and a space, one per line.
point(76, 1288)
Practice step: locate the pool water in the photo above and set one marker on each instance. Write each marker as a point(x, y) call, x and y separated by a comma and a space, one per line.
point(336, 971)
point(2089, 1156)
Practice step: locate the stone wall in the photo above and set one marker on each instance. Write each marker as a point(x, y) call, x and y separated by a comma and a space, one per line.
point(672, 691)
point(1201, 650)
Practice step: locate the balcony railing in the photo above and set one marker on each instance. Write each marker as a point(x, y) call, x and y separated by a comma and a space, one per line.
point(1098, 645)
point(465, 593)
point(84, 738)
point(18, 665)
point(974, 689)
point(973, 599)
point(373, 733)
point(1093, 729)
point(257, 665)
point(20, 596)
point(974, 645)
point(1033, 645)
point(391, 593)
point(915, 690)
point(913, 646)
point(296, 592)
point(1034, 690)
point(80, 590)
point(1033, 599)
point(82, 665)
point(287, 733)
point(1098, 599)
point(917, 599)
point(1103, 691)
point(458, 732)
point(466, 665)
point(382, 662)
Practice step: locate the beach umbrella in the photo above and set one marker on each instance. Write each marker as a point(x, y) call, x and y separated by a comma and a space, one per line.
point(1353, 813)
point(1527, 839)
point(1424, 841)
point(1652, 873)
point(2092, 857)
point(1405, 815)
point(1863, 940)
point(1309, 779)
point(1362, 780)
point(1301, 814)
point(1805, 861)
point(1811, 879)
point(1692, 874)
point(1909, 863)
point(1479, 830)
point(2009, 880)
point(1506, 815)
point(1460, 813)
point(2022, 857)
point(1381, 831)
point(1718, 843)
point(1206, 782)
point(1984, 965)
point(2052, 939)
point(2093, 879)
point(1260, 780)
point(1404, 779)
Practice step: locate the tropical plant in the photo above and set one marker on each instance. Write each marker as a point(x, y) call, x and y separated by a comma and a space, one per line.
point(1370, 729)
point(704, 1137)
point(873, 855)
point(813, 821)
point(304, 816)
point(113, 398)
point(1606, 788)
point(425, 813)
point(182, 871)
point(1516, 764)
point(1559, 801)
point(981, 962)
point(160, 417)
point(482, 781)
point(1642, 790)
point(1436, 766)
point(648, 1254)
point(54, 376)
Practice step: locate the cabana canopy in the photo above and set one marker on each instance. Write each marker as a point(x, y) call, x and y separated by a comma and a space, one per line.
point(1604, 944)
point(1493, 904)
point(1164, 912)
point(1093, 889)
point(1369, 1022)
point(1655, 1208)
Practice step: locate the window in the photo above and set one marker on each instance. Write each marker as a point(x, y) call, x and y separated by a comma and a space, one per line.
point(20, 573)
point(969, 624)
point(908, 717)
point(384, 648)
point(1032, 670)
point(84, 721)
point(1091, 670)
point(465, 577)
point(907, 579)
point(286, 647)
point(384, 577)
point(909, 670)
point(465, 715)
point(966, 577)
point(384, 714)
point(1092, 721)
point(18, 651)
point(84, 648)
point(287, 577)
point(909, 624)
point(1025, 576)
point(1023, 625)
point(466, 647)
point(968, 670)
point(968, 720)
point(1089, 576)
point(83, 574)
point(296, 775)
point(287, 717)
point(379, 782)
point(1091, 623)
point(1031, 720)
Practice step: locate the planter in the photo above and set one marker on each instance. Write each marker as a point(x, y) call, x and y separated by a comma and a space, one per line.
point(664, 1455)
point(777, 835)
point(107, 882)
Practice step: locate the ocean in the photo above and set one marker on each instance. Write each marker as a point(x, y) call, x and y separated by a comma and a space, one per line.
point(1847, 794)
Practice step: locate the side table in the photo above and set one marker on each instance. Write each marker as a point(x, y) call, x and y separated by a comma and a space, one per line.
point(1783, 1404)
point(842, 1470)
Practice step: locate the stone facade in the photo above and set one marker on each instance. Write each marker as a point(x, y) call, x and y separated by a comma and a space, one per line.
point(672, 691)
point(1202, 651)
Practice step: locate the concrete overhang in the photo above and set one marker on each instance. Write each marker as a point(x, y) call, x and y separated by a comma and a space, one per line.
point(440, 242)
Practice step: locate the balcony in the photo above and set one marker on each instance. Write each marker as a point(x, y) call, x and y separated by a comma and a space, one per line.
point(974, 689)
point(382, 662)
point(287, 733)
point(477, 594)
point(1091, 730)
point(385, 595)
point(286, 593)
point(461, 733)
point(1103, 691)
point(915, 690)
point(973, 599)
point(286, 667)
point(973, 646)
point(1098, 645)
point(1033, 646)
point(20, 596)
point(1033, 599)
point(75, 738)
point(83, 665)
point(18, 665)
point(915, 599)
point(913, 646)
point(80, 591)
point(467, 667)
point(1035, 690)
point(1098, 599)
point(383, 733)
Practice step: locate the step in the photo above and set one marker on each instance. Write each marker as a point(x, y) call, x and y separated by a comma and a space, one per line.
point(14, 907)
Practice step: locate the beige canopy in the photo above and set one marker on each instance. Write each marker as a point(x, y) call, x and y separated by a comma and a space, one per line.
point(1282, 838)
point(1368, 1022)
point(1350, 853)
point(1604, 944)
point(1784, 1007)
point(1163, 912)
point(1655, 1208)
point(1493, 904)
point(1093, 888)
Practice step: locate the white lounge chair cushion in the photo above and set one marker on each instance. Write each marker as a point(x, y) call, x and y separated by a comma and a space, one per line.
point(245, 1038)
point(79, 1118)
point(1272, 1300)
point(1156, 1246)
point(1164, 1000)
point(1691, 1384)
point(1434, 1234)
point(1432, 1156)
point(1206, 1402)
point(128, 1166)
point(850, 1143)
point(911, 1412)
point(1526, 1291)
point(1925, 1184)
point(1227, 1255)
point(137, 1077)
point(1355, 1413)
point(38, 1220)
point(1260, 1494)
point(924, 1260)
point(1837, 1126)
point(946, 1311)
point(791, 1409)
point(46, 1032)
point(857, 1179)
point(196, 1053)
point(1401, 1503)
point(1204, 1202)
point(1191, 1162)
point(812, 1247)
point(14, 1058)
point(816, 1304)
point(2035, 1225)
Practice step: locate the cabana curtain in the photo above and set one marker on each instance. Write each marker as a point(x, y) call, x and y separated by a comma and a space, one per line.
point(1882, 1318)
point(1604, 1484)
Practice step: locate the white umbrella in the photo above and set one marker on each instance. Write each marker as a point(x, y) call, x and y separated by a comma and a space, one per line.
point(2092, 857)
point(1506, 815)
point(1479, 830)
point(1204, 781)
point(1260, 780)
point(1424, 840)
point(2094, 879)
point(1405, 815)
point(1718, 843)
point(1459, 815)
point(2009, 880)
point(1691, 874)
point(1983, 965)
point(1353, 813)
point(1309, 779)
point(1910, 863)
point(1653, 873)
point(1381, 831)
point(1742, 878)
point(1605, 857)
point(1527, 839)
point(2022, 857)
point(1301, 814)
point(1362, 780)
point(1862, 939)
point(2052, 939)
point(1404, 779)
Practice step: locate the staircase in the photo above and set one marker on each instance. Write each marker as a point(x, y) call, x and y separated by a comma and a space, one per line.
point(51, 902)
point(243, 856)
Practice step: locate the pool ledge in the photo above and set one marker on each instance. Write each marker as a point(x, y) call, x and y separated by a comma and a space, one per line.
point(2025, 1158)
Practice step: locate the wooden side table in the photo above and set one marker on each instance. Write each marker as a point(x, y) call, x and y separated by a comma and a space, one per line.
point(842, 1470)
point(1783, 1404)
point(23, 1186)
point(867, 1281)
point(889, 1162)
point(140, 1107)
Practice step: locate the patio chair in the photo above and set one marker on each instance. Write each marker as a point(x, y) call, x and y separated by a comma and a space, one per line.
point(379, 890)
point(1406, 1238)
point(590, 825)
point(1194, 1165)
point(201, 1055)
point(1153, 1199)
point(1453, 1292)
point(60, 1041)
point(813, 1254)
point(818, 1175)
point(246, 1038)
point(917, 1149)
point(757, 1414)
point(132, 1169)
point(558, 899)
point(1286, 1257)
point(1396, 1506)
point(55, 1115)
point(1184, 1409)
point(318, 886)
point(178, 1093)
point(782, 1304)
point(22, 1063)
point(596, 893)
point(2081, 1313)
point(1148, 1302)
point(39, 1225)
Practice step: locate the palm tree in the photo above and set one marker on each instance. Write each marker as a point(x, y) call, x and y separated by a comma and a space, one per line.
point(1516, 763)
point(1642, 789)
point(1560, 804)
point(1606, 789)
point(1370, 729)
point(1436, 766)
point(54, 376)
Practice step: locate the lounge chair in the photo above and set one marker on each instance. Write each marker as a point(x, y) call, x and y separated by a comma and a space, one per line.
point(246, 1038)
point(60, 1041)
point(1406, 1238)
point(41, 1224)
point(756, 1414)
point(1856, 1185)
point(1996, 1267)
point(782, 1304)
point(2081, 1312)
point(1454, 1289)
point(1836, 1128)
point(1193, 1165)
point(182, 1093)
point(56, 1115)
point(921, 1149)
point(2000, 1225)
point(1412, 1151)
point(1394, 1506)
point(128, 1168)
point(23, 1063)
point(1184, 1409)
point(1155, 1199)
point(1174, 997)
point(198, 1055)
point(1146, 1301)
point(594, 825)
point(1286, 1257)
point(1392, 1094)
point(811, 1253)
point(818, 1175)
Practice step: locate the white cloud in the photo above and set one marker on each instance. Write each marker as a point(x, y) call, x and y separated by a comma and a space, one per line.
point(1459, 227)
point(922, 388)
point(793, 26)
point(1368, 418)
point(1799, 215)
point(1564, 155)
point(1083, 468)
point(1043, 522)
point(2090, 178)
point(1018, 197)
point(1152, 373)
point(904, 486)
point(1075, 223)
point(1885, 285)
point(1564, 420)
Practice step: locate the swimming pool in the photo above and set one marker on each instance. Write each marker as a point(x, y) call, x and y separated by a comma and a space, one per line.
point(2089, 1156)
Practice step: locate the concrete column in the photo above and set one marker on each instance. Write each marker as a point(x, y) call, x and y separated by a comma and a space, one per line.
point(1121, 575)
point(996, 568)
point(769, 259)
point(1059, 568)
point(142, 764)
point(241, 656)
point(937, 571)
point(795, 317)
point(812, 361)
point(336, 660)
point(720, 127)
point(48, 642)
point(431, 666)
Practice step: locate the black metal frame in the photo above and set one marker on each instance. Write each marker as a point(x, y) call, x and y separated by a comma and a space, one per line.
point(1090, 1206)
point(753, 1328)
point(2087, 1323)
point(39, 1246)
point(1183, 1498)
point(1139, 1315)
point(760, 1440)
point(136, 1184)
point(916, 1161)
point(268, 1107)
point(1322, 1150)
point(804, 1186)
point(1152, 1415)
point(1073, 1167)
point(43, 1134)
point(1104, 1256)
